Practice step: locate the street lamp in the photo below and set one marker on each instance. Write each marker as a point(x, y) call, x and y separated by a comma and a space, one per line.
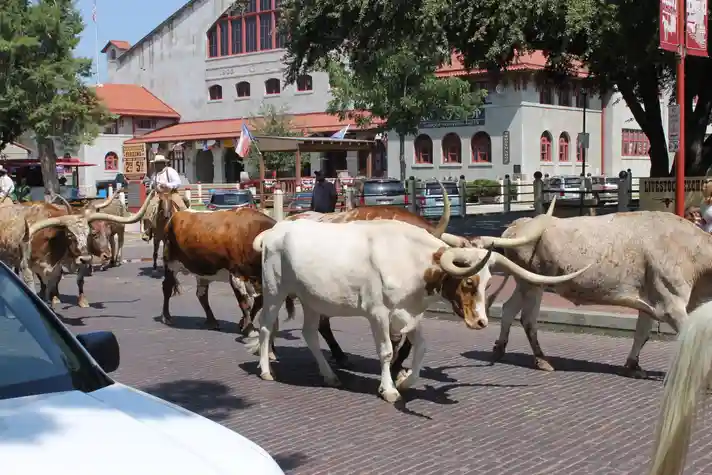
point(583, 144)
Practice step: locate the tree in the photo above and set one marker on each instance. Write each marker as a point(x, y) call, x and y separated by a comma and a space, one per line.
point(41, 88)
point(616, 41)
point(398, 91)
point(275, 122)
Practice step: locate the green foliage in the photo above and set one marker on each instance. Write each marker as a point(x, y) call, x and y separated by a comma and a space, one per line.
point(275, 122)
point(41, 88)
point(485, 188)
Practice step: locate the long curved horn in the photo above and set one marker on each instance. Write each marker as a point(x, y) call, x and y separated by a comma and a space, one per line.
point(56, 196)
point(533, 278)
point(44, 224)
point(535, 231)
point(550, 211)
point(94, 207)
point(454, 241)
point(445, 218)
point(122, 219)
point(448, 258)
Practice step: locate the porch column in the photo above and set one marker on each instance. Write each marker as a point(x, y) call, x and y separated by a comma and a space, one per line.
point(369, 164)
point(352, 162)
point(298, 166)
point(219, 165)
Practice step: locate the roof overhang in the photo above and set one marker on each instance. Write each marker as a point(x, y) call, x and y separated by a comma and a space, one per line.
point(310, 144)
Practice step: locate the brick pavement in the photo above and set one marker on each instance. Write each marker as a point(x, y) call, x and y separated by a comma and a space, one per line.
point(465, 416)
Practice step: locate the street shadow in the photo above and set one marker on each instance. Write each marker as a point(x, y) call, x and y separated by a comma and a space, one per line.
point(212, 399)
point(79, 321)
point(69, 301)
point(198, 323)
point(559, 363)
point(148, 271)
point(291, 461)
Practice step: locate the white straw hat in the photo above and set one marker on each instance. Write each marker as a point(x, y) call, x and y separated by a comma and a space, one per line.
point(159, 159)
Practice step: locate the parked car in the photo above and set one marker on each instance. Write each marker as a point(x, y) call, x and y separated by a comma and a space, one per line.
point(300, 203)
point(567, 189)
point(430, 199)
point(380, 192)
point(61, 413)
point(605, 189)
point(231, 199)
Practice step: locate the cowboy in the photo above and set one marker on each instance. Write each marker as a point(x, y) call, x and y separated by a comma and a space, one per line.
point(6, 188)
point(165, 180)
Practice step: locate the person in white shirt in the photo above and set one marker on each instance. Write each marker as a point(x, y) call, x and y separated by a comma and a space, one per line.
point(165, 180)
point(6, 188)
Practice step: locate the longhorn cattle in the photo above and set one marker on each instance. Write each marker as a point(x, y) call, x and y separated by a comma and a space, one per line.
point(387, 271)
point(164, 210)
point(56, 238)
point(653, 262)
point(111, 231)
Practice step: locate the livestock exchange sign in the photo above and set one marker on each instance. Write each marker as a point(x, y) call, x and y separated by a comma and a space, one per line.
point(658, 194)
point(134, 161)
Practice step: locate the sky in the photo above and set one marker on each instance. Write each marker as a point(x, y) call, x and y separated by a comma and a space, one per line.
point(128, 20)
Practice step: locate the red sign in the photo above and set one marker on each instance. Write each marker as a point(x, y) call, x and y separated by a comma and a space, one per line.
point(696, 34)
point(669, 37)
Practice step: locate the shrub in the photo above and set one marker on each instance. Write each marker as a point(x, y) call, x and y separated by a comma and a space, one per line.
point(485, 188)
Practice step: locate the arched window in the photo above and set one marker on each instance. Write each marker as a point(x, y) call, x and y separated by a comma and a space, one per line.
point(112, 54)
point(423, 149)
point(215, 92)
point(545, 147)
point(111, 162)
point(272, 86)
point(564, 147)
point(249, 26)
point(481, 144)
point(243, 89)
point(304, 83)
point(452, 148)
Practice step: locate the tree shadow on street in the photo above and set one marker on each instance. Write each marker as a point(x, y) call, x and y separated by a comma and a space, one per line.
point(79, 321)
point(148, 271)
point(183, 322)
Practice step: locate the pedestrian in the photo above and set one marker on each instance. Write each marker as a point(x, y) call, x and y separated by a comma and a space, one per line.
point(705, 210)
point(324, 195)
point(23, 191)
point(165, 180)
point(6, 188)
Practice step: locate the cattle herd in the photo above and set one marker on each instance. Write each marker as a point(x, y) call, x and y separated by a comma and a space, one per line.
point(389, 265)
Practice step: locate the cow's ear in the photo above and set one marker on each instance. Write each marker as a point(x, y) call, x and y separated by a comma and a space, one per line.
point(437, 255)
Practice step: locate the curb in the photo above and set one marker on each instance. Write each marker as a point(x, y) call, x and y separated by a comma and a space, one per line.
point(573, 318)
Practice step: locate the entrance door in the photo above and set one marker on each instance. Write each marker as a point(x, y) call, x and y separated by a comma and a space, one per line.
point(204, 168)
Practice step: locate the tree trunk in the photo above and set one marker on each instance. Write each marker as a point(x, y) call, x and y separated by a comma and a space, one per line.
point(48, 165)
point(401, 155)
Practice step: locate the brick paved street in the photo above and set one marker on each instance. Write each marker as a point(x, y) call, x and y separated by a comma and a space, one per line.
point(464, 417)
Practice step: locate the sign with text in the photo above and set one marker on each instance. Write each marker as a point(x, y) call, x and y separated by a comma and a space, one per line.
point(673, 128)
point(696, 28)
point(134, 161)
point(478, 118)
point(505, 147)
point(669, 36)
point(583, 140)
point(658, 194)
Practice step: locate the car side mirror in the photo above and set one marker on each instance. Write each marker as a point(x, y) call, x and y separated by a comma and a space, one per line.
point(103, 347)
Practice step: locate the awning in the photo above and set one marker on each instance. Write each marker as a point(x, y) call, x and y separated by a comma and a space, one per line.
point(61, 162)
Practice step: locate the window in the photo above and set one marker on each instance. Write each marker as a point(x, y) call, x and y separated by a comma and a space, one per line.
point(564, 141)
point(545, 147)
point(581, 99)
point(304, 83)
point(112, 128)
point(546, 95)
point(111, 162)
point(481, 148)
point(635, 143)
point(272, 86)
point(565, 96)
point(423, 150)
point(452, 148)
point(247, 27)
point(215, 92)
point(177, 159)
point(112, 54)
point(243, 89)
point(146, 124)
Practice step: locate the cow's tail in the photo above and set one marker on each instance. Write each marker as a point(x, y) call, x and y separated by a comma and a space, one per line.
point(167, 235)
point(257, 243)
point(685, 382)
point(289, 303)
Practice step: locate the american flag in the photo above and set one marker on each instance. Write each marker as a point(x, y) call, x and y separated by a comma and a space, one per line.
point(93, 12)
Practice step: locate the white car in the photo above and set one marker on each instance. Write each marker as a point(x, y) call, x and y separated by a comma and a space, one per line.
point(60, 413)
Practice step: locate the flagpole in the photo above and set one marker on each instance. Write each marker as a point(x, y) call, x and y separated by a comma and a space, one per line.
point(96, 42)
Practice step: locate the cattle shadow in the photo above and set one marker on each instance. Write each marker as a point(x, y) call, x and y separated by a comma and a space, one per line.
point(296, 367)
point(148, 271)
point(291, 461)
point(79, 321)
point(212, 399)
point(559, 363)
point(69, 301)
point(182, 322)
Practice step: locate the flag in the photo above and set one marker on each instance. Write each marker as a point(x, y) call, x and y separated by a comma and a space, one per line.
point(93, 12)
point(341, 133)
point(243, 145)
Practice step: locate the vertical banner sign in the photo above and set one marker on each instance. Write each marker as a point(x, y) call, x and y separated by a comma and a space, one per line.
point(134, 161)
point(669, 36)
point(505, 147)
point(696, 34)
point(673, 128)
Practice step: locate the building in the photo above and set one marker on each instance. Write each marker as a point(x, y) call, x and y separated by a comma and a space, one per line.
point(217, 66)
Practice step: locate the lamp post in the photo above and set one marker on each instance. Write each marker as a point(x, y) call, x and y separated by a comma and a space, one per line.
point(583, 144)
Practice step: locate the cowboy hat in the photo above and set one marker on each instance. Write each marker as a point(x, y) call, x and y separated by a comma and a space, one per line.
point(2, 169)
point(159, 159)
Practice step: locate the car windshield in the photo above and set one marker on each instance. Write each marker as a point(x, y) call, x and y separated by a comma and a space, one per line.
point(302, 198)
point(230, 199)
point(383, 188)
point(37, 355)
point(571, 182)
point(433, 189)
point(611, 181)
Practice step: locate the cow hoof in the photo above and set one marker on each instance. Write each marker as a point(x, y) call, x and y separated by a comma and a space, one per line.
point(83, 303)
point(332, 381)
point(542, 364)
point(56, 301)
point(633, 370)
point(267, 376)
point(167, 319)
point(402, 377)
point(391, 395)
point(498, 352)
point(272, 357)
point(253, 334)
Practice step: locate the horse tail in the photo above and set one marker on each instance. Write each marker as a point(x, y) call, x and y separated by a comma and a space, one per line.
point(684, 384)
point(289, 304)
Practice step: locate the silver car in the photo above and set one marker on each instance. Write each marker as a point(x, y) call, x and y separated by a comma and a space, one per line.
point(605, 189)
point(380, 192)
point(566, 188)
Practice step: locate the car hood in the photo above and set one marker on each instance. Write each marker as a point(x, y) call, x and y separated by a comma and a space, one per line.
point(118, 431)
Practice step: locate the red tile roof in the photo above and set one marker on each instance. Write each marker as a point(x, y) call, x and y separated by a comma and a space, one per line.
point(120, 44)
point(230, 128)
point(133, 100)
point(535, 61)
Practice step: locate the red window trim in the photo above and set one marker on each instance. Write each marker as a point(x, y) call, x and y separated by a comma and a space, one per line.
point(428, 142)
point(636, 141)
point(545, 147)
point(564, 142)
point(215, 87)
point(446, 152)
point(227, 20)
point(237, 89)
point(483, 149)
point(301, 86)
point(279, 87)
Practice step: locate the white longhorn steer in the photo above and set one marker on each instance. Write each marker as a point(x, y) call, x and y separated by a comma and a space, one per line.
point(386, 271)
point(654, 262)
